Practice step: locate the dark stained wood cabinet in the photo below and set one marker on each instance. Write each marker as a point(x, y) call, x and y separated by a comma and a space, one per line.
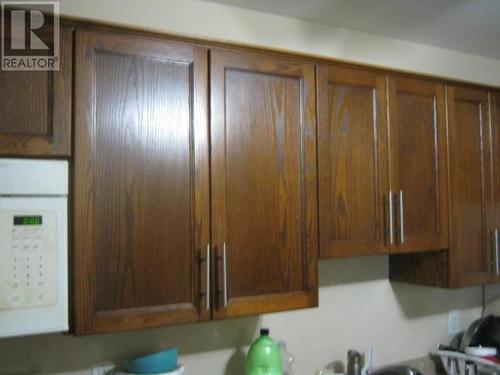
point(382, 163)
point(141, 182)
point(494, 209)
point(264, 193)
point(470, 185)
point(35, 115)
point(144, 219)
point(180, 220)
point(469, 260)
point(417, 120)
point(352, 162)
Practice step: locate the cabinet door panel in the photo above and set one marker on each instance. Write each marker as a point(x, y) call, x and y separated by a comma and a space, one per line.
point(265, 204)
point(418, 164)
point(263, 182)
point(141, 182)
point(494, 172)
point(35, 115)
point(468, 143)
point(352, 154)
point(16, 118)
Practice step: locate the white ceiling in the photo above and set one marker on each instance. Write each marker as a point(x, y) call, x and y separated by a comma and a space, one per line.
point(471, 26)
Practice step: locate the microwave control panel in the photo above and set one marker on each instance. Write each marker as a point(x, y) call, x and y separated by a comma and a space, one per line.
point(28, 259)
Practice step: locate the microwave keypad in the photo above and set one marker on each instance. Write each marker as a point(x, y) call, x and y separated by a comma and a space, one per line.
point(28, 263)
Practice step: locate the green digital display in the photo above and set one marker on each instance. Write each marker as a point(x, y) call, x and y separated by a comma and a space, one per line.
point(27, 220)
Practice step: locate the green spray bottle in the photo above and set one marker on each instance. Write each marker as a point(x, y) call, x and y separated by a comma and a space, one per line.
point(264, 356)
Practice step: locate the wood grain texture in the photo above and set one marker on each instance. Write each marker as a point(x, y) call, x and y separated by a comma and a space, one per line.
point(417, 118)
point(264, 182)
point(353, 162)
point(494, 172)
point(142, 160)
point(471, 144)
point(25, 99)
point(469, 185)
point(141, 182)
point(35, 116)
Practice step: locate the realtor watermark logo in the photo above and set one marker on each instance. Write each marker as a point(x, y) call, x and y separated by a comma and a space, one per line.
point(30, 35)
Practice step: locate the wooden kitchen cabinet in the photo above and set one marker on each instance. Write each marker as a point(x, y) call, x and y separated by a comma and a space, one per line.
point(382, 163)
point(151, 245)
point(176, 220)
point(35, 115)
point(494, 212)
point(264, 191)
point(141, 183)
point(472, 185)
point(352, 162)
point(417, 120)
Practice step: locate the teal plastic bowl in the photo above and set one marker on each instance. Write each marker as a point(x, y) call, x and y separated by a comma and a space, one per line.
point(155, 363)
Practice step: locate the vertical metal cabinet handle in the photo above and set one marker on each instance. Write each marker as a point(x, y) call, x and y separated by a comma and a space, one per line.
point(391, 217)
point(494, 258)
point(224, 273)
point(207, 295)
point(497, 264)
point(401, 217)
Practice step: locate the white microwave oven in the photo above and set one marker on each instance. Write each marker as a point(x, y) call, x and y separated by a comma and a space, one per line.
point(33, 246)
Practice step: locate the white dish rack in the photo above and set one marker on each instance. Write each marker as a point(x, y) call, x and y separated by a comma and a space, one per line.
point(456, 363)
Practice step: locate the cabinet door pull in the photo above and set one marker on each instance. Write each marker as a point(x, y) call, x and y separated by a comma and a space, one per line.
point(224, 274)
point(207, 299)
point(497, 260)
point(391, 217)
point(401, 217)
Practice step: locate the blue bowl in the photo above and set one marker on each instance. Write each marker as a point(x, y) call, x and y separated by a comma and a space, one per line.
point(155, 363)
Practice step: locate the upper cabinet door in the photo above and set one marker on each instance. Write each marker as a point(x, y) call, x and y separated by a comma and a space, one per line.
point(264, 195)
point(417, 118)
point(353, 162)
point(469, 185)
point(35, 108)
point(141, 183)
point(494, 226)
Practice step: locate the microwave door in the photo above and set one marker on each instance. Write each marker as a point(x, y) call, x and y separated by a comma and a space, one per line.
point(33, 265)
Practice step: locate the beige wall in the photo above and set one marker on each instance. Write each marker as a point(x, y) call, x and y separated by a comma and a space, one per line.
point(359, 307)
point(221, 22)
